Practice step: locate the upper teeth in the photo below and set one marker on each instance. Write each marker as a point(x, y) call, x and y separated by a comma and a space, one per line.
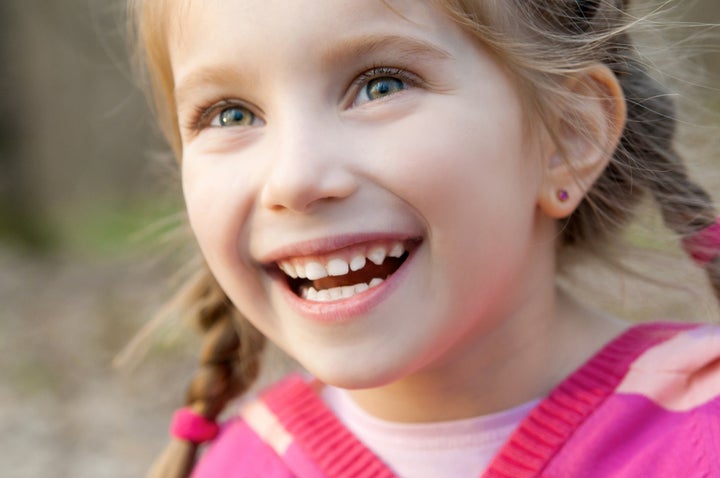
point(377, 255)
point(314, 269)
point(357, 263)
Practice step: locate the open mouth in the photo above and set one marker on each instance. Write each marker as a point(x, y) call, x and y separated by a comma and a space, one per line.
point(345, 273)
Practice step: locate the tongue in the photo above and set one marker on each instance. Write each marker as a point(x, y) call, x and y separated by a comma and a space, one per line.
point(364, 275)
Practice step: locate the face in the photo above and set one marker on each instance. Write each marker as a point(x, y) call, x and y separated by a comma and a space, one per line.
point(359, 179)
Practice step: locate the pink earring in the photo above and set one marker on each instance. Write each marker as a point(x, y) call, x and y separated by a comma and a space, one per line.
point(563, 195)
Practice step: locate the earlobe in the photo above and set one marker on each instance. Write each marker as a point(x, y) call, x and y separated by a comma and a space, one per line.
point(586, 132)
point(561, 191)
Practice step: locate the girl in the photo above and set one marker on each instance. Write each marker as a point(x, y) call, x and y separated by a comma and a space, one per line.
point(385, 189)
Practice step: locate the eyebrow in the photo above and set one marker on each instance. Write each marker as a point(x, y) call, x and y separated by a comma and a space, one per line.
point(342, 51)
point(367, 45)
point(211, 75)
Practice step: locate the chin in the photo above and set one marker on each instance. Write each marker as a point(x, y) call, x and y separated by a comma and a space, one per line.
point(359, 375)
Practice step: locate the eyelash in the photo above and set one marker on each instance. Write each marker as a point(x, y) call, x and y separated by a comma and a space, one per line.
point(376, 72)
point(203, 114)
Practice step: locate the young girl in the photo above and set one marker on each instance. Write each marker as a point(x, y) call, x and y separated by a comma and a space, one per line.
point(385, 189)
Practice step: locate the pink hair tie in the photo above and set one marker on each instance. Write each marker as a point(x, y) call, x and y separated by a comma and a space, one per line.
point(704, 245)
point(193, 427)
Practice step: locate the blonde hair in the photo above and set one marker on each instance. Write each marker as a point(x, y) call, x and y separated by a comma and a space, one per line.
point(541, 42)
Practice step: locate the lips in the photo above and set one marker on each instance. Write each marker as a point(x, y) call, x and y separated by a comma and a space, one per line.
point(344, 273)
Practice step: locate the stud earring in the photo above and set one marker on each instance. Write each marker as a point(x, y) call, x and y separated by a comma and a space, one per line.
point(563, 195)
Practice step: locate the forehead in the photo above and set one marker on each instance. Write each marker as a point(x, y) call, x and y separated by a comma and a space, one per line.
point(255, 16)
point(246, 30)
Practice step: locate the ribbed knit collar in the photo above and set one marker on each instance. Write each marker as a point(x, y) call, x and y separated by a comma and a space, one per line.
point(339, 454)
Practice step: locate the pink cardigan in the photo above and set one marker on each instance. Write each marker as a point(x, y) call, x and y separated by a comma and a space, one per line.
point(647, 405)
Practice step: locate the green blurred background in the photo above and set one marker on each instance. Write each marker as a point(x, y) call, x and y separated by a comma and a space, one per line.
point(87, 195)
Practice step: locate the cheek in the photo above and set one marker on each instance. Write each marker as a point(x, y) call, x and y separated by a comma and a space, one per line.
point(470, 176)
point(459, 160)
point(218, 205)
point(219, 199)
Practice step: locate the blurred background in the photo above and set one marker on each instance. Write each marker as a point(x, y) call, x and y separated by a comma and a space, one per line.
point(87, 196)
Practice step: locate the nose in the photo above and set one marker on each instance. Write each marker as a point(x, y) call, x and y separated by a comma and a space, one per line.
point(309, 167)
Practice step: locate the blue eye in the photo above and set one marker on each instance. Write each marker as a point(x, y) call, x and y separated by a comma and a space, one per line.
point(234, 116)
point(381, 87)
point(380, 83)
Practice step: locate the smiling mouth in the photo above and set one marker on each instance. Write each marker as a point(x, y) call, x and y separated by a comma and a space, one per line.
point(346, 273)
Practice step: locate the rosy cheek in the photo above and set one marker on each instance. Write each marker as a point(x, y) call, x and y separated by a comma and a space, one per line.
point(222, 174)
point(214, 209)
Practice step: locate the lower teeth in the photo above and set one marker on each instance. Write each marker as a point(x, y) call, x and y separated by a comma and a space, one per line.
point(337, 293)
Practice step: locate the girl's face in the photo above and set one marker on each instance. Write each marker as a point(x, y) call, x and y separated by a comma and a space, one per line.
point(320, 136)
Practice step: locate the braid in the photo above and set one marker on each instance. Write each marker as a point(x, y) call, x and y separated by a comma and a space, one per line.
point(686, 208)
point(646, 160)
point(229, 364)
point(223, 374)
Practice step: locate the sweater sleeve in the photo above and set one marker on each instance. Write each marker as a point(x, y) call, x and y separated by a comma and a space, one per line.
point(678, 375)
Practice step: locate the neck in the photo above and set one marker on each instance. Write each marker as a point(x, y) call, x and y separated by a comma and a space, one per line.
point(501, 369)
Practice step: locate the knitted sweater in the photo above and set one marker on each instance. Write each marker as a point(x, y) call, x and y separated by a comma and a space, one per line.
point(646, 405)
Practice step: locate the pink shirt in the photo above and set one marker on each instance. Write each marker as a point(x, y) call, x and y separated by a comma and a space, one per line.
point(429, 450)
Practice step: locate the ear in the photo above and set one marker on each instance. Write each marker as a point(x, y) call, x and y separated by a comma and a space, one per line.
point(585, 133)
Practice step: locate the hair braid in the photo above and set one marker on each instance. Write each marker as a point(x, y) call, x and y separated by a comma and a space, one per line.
point(686, 207)
point(646, 160)
point(229, 364)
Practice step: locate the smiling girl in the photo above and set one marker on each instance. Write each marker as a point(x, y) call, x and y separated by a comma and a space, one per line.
point(384, 189)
